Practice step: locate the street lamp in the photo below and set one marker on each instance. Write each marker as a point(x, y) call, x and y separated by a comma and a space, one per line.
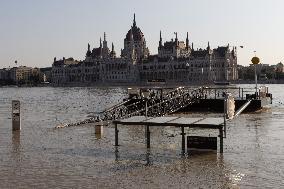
point(16, 62)
point(255, 60)
point(145, 95)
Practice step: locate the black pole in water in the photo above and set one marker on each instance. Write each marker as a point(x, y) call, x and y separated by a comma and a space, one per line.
point(116, 135)
point(225, 114)
point(146, 127)
point(221, 139)
point(182, 140)
point(148, 136)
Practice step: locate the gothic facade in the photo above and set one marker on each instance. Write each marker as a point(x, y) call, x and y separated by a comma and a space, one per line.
point(176, 62)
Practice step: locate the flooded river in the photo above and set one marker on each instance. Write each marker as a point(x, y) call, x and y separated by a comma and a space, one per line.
point(41, 156)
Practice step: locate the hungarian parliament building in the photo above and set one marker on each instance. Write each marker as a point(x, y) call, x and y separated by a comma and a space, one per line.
point(176, 62)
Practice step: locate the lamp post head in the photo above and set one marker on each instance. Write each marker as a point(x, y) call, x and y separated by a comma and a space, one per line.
point(255, 60)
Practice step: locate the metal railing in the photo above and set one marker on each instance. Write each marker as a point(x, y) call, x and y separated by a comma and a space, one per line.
point(219, 92)
point(169, 102)
point(166, 102)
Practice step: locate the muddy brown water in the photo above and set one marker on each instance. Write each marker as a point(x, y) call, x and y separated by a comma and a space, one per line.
point(43, 157)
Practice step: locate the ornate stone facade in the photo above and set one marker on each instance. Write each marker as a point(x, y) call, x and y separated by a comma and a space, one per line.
point(176, 61)
point(135, 44)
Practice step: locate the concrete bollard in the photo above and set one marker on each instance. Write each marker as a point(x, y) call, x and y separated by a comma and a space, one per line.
point(99, 128)
point(16, 117)
point(230, 106)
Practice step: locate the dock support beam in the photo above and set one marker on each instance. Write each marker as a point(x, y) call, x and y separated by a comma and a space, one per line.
point(116, 135)
point(182, 140)
point(221, 139)
point(148, 142)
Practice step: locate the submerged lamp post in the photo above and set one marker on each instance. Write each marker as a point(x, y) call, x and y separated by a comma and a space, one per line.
point(255, 60)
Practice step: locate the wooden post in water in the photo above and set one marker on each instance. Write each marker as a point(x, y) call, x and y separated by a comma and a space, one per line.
point(16, 117)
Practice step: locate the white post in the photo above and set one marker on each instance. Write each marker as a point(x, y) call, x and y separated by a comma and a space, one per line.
point(16, 117)
point(146, 108)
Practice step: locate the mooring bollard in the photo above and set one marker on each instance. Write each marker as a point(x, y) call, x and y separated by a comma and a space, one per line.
point(99, 128)
point(16, 117)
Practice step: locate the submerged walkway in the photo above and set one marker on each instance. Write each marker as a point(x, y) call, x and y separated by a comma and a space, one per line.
point(182, 122)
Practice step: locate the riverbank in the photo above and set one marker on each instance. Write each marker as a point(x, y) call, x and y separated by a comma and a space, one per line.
point(151, 84)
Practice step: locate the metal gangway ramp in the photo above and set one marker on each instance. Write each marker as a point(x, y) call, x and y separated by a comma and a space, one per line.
point(154, 105)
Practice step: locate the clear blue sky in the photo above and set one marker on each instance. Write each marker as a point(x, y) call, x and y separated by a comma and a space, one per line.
point(35, 31)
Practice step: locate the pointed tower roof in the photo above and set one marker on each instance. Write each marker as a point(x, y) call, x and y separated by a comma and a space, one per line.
point(134, 21)
point(187, 40)
point(112, 53)
point(136, 32)
point(88, 51)
point(161, 40)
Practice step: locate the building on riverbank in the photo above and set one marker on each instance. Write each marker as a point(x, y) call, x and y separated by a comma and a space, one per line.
point(22, 75)
point(176, 62)
point(265, 72)
point(16, 74)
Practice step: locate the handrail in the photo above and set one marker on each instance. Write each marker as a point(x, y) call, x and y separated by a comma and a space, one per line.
point(242, 108)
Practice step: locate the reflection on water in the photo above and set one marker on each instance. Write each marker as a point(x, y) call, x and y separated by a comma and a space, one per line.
point(16, 141)
point(98, 136)
point(16, 148)
point(40, 156)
